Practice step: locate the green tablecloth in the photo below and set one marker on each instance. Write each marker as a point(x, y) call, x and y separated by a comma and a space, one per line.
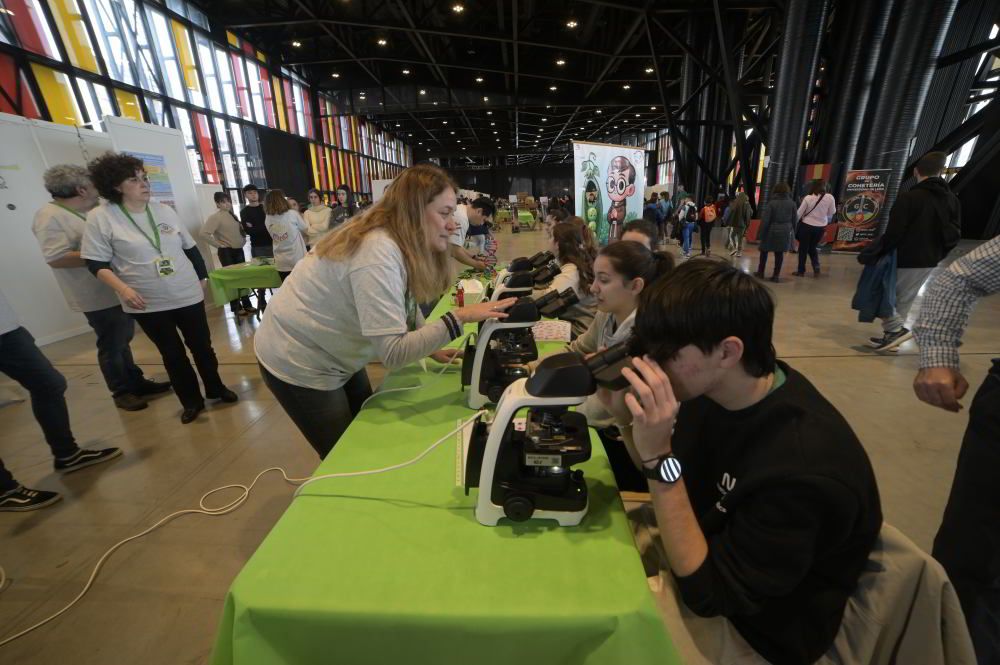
point(394, 568)
point(226, 283)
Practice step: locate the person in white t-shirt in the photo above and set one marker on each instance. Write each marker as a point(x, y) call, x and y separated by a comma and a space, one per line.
point(353, 299)
point(287, 229)
point(475, 214)
point(815, 212)
point(58, 226)
point(143, 251)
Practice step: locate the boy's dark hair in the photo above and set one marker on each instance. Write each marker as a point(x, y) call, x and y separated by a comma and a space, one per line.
point(709, 199)
point(484, 204)
point(220, 197)
point(250, 188)
point(702, 303)
point(931, 164)
point(110, 170)
point(644, 227)
point(558, 214)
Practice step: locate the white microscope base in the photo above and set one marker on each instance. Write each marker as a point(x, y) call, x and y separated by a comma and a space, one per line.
point(491, 514)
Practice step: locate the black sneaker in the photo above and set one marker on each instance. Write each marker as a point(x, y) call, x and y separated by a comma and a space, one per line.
point(891, 340)
point(130, 402)
point(147, 387)
point(226, 395)
point(21, 499)
point(84, 457)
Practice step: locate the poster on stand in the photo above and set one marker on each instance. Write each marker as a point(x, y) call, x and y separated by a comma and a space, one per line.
point(160, 189)
point(861, 208)
point(609, 182)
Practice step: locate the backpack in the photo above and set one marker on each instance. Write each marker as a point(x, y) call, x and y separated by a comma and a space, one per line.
point(691, 217)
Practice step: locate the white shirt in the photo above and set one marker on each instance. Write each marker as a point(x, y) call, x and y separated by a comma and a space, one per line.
point(111, 237)
point(317, 330)
point(8, 319)
point(823, 211)
point(286, 232)
point(462, 219)
point(60, 231)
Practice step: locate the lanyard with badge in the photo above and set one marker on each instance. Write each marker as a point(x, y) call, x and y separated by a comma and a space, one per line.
point(70, 210)
point(164, 264)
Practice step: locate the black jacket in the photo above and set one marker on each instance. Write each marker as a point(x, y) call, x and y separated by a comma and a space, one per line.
point(253, 218)
point(777, 224)
point(924, 225)
point(787, 500)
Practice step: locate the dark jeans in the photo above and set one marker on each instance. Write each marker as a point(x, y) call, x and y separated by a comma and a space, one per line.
point(261, 250)
point(22, 361)
point(165, 330)
point(968, 542)
point(321, 415)
point(809, 237)
point(779, 258)
point(705, 230)
point(115, 330)
point(230, 256)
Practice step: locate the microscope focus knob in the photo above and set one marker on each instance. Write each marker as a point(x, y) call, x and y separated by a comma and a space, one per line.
point(518, 508)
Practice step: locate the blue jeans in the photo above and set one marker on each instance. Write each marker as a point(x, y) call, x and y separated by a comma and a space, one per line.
point(321, 415)
point(22, 361)
point(115, 330)
point(686, 234)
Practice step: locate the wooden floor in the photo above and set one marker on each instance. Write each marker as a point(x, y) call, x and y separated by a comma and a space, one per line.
point(158, 600)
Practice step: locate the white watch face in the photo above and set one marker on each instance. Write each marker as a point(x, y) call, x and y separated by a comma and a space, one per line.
point(670, 470)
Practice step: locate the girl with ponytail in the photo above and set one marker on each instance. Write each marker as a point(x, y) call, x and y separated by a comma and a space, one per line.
point(576, 271)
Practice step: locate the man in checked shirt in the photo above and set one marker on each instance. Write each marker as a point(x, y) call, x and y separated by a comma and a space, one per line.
point(968, 542)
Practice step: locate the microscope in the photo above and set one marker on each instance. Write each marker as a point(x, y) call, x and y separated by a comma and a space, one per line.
point(521, 460)
point(521, 276)
point(504, 347)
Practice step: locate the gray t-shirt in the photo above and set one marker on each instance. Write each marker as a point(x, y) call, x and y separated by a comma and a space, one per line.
point(59, 232)
point(286, 232)
point(8, 319)
point(111, 237)
point(330, 318)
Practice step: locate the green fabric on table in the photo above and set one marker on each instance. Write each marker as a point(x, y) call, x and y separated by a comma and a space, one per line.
point(394, 567)
point(226, 283)
point(525, 217)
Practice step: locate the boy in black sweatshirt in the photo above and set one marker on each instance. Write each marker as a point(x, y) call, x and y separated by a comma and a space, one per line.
point(766, 502)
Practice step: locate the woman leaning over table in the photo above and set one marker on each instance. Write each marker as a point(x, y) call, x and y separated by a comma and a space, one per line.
point(354, 300)
point(143, 251)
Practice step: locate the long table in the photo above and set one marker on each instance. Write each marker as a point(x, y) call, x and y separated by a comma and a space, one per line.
point(233, 281)
point(394, 567)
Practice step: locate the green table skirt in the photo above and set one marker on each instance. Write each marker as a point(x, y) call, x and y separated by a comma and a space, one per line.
point(231, 282)
point(394, 568)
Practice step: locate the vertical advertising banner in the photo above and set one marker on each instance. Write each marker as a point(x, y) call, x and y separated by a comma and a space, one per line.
point(609, 183)
point(861, 208)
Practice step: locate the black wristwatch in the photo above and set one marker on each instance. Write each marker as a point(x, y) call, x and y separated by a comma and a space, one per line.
point(667, 470)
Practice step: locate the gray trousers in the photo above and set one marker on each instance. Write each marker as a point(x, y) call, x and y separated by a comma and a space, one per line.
point(908, 284)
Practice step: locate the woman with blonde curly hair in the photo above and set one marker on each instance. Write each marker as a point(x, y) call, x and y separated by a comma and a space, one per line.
point(354, 300)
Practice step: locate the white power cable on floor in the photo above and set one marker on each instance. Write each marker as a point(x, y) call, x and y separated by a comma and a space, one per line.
point(236, 503)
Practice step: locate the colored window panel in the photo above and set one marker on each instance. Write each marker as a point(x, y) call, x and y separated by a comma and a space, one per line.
point(261, 57)
point(209, 72)
point(128, 105)
point(58, 93)
point(194, 159)
point(315, 168)
point(225, 152)
point(279, 104)
point(241, 86)
point(96, 102)
point(225, 72)
point(240, 152)
point(306, 106)
point(255, 91)
point(248, 48)
point(265, 86)
point(71, 26)
point(15, 95)
point(329, 170)
point(232, 39)
point(32, 29)
point(185, 53)
point(300, 115)
point(204, 139)
point(293, 126)
point(122, 40)
point(166, 55)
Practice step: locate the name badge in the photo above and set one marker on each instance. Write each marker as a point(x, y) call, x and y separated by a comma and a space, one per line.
point(164, 266)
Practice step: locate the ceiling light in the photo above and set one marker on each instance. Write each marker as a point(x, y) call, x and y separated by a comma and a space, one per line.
point(435, 103)
point(626, 87)
point(423, 92)
point(410, 134)
point(553, 88)
point(494, 131)
point(560, 62)
point(382, 42)
point(493, 124)
point(453, 133)
point(406, 71)
point(624, 120)
point(459, 140)
point(398, 125)
point(589, 121)
point(545, 119)
point(479, 79)
point(296, 44)
point(652, 108)
point(420, 142)
point(649, 70)
point(335, 75)
point(571, 24)
point(637, 115)
point(486, 99)
point(599, 111)
point(489, 113)
point(457, 8)
point(445, 122)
